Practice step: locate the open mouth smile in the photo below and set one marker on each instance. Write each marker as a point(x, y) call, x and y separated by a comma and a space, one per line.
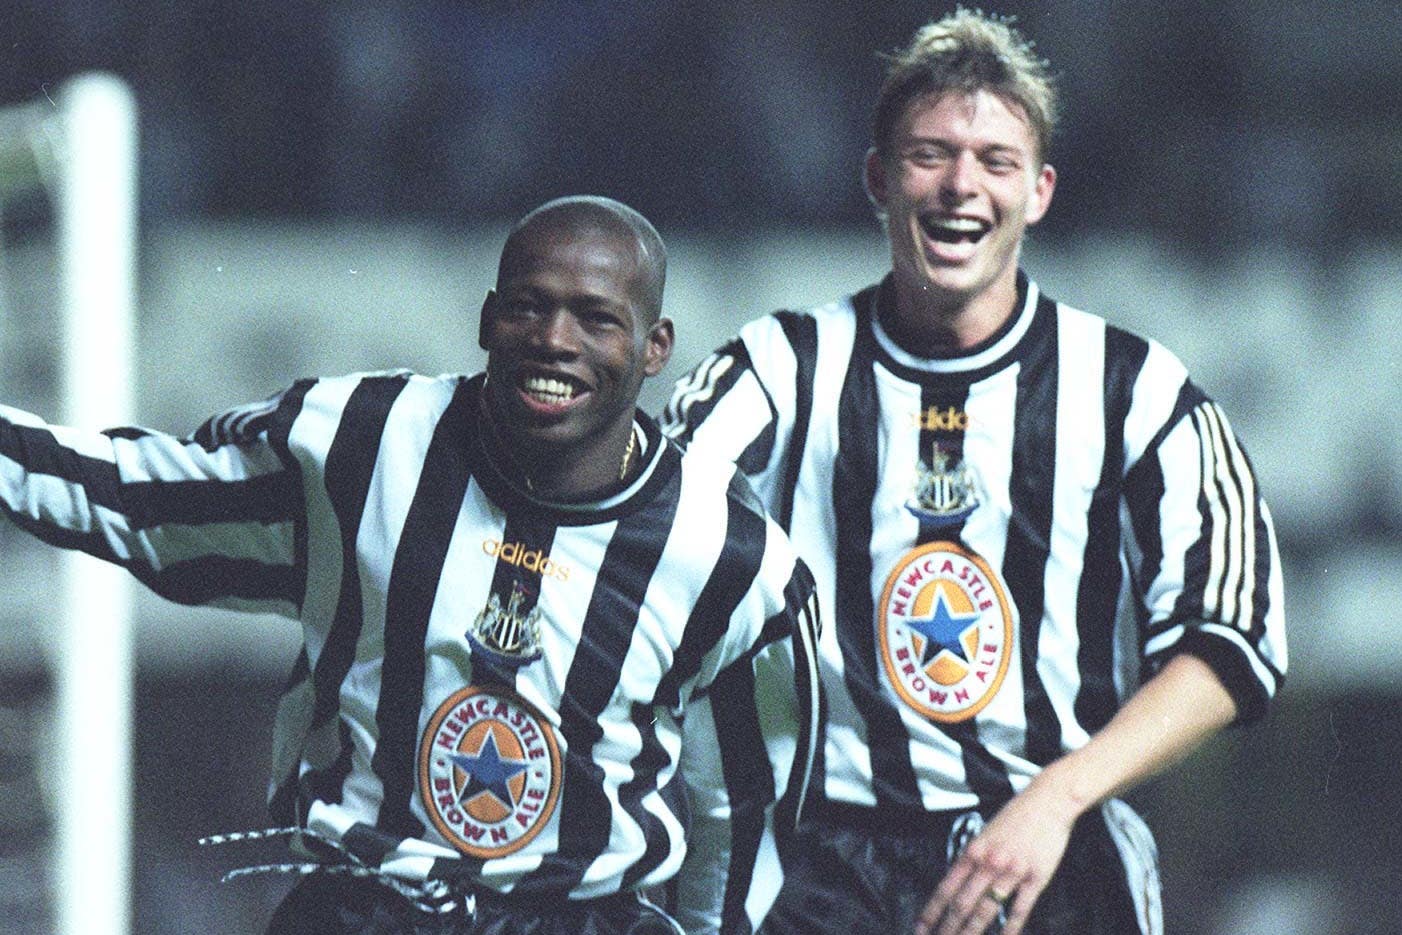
point(552, 391)
point(954, 230)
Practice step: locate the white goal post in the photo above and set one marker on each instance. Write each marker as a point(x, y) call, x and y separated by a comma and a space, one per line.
point(78, 143)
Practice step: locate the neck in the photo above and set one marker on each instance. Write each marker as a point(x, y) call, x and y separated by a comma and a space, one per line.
point(933, 324)
point(550, 473)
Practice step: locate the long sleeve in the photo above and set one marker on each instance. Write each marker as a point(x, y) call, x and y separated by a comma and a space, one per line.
point(209, 519)
point(748, 745)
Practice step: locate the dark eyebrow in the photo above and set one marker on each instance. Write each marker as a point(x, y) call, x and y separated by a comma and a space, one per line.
point(596, 303)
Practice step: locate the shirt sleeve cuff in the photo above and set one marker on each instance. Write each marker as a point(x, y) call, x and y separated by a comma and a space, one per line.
point(1228, 661)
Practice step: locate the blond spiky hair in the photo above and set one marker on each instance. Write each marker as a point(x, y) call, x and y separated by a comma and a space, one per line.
point(967, 51)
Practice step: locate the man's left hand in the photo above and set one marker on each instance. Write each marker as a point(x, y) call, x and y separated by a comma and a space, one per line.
point(1003, 869)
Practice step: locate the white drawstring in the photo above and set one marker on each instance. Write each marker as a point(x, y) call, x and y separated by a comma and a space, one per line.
point(435, 897)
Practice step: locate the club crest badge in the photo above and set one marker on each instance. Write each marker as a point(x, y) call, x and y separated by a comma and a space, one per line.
point(505, 638)
point(946, 491)
point(489, 771)
point(944, 631)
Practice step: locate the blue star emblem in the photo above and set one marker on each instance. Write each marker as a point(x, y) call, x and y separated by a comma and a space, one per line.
point(942, 630)
point(488, 772)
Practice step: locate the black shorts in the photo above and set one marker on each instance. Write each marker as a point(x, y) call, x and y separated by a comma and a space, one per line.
point(852, 871)
point(337, 904)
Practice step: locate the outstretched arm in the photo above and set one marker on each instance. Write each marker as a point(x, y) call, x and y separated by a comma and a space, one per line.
point(207, 519)
point(1021, 847)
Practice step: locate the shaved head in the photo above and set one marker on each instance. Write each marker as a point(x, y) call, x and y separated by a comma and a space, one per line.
point(571, 215)
point(571, 331)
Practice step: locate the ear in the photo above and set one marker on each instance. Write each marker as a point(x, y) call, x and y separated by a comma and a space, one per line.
point(874, 179)
point(489, 307)
point(658, 348)
point(1042, 188)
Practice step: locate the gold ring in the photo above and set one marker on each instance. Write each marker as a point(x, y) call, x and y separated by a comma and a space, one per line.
point(998, 897)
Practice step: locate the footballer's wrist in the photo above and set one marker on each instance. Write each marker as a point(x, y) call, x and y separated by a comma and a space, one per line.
point(1062, 790)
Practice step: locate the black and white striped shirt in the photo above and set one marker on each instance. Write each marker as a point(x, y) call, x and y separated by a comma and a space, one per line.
point(666, 674)
point(1009, 541)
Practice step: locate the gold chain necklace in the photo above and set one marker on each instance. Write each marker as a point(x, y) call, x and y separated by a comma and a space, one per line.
point(628, 452)
point(500, 446)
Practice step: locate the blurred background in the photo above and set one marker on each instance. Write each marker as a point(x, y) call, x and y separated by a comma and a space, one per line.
point(324, 188)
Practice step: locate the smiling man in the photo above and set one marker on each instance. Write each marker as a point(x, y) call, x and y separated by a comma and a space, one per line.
point(550, 660)
point(571, 330)
point(1049, 567)
point(958, 176)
